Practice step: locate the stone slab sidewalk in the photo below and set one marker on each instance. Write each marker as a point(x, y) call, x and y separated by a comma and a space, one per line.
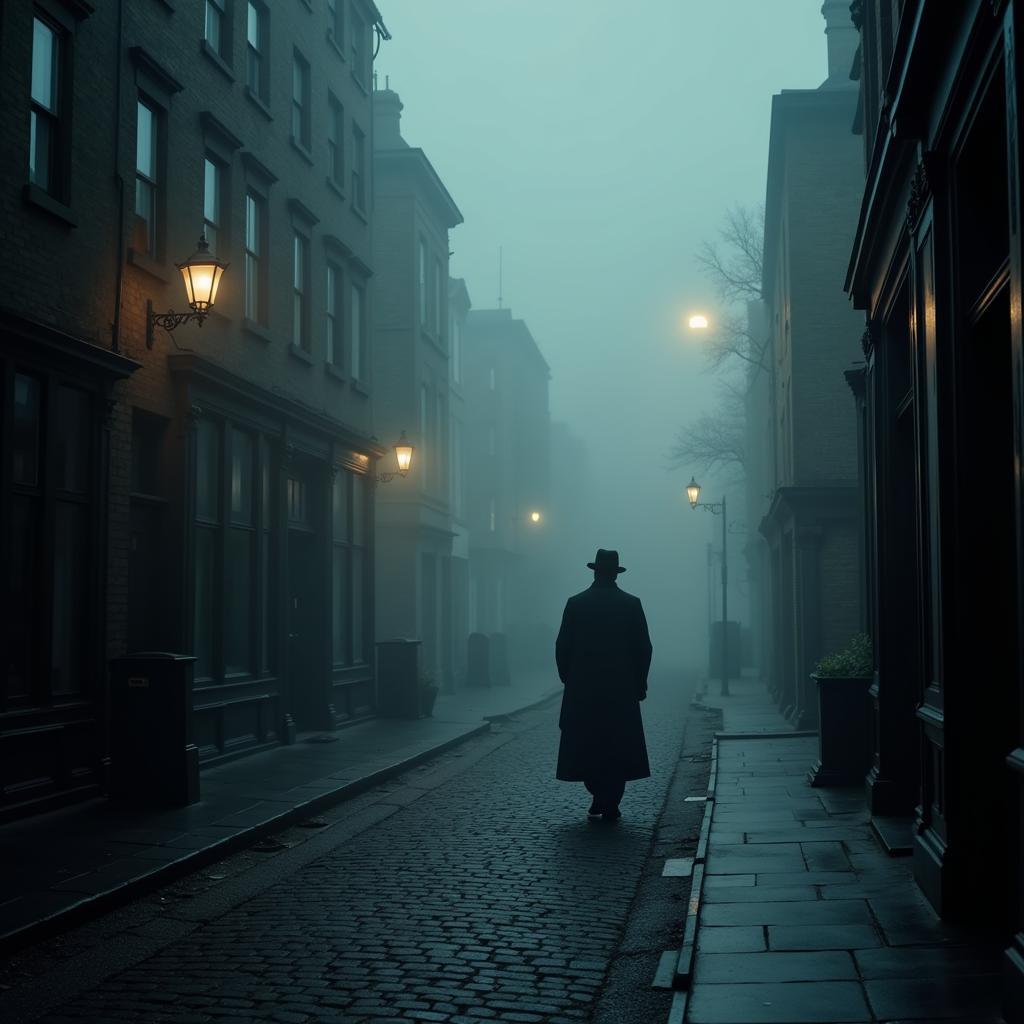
point(60, 868)
point(805, 919)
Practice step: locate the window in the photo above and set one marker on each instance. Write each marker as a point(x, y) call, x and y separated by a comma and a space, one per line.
point(239, 553)
point(492, 379)
point(457, 496)
point(336, 22)
point(211, 201)
point(255, 242)
point(300, 291)
point(440, 438)
point(300, 101)
point(437, 299)
point(357, 341)
point(423, 283)
point(493, 518)
point(348, 582)
point(332, 318)
point(359, 47)
point(215, 35)
point(358, 168)
point(256, 50)
point(45, 125)
point(456, 350)
point(335, 141)
point(424, 426)
point(146, 181)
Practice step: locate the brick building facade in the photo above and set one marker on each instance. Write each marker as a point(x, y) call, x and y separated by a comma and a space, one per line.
point(188, 491)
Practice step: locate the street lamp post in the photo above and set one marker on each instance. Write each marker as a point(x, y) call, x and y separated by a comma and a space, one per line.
point(717, 508)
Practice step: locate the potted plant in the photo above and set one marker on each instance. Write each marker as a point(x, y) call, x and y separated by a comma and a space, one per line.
point(843, 679)
point(428, 694)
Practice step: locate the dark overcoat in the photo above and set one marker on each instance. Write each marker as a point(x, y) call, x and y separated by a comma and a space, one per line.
point(603, 654)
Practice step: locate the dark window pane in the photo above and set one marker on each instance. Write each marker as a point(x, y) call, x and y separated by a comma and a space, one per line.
point(241, 477)
point(238, 601)
point(202, 647)
point(70, 597)
point(358, 510)
point(22, 611)
point(358, 597)
point(71, 451)
point(26, 430)
point(208, 471)
point(269, 605)
point(340, 504)
point(40, 159)
point(44, 65)
point(340, 589)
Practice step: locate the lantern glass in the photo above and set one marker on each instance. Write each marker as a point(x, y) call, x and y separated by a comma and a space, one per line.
point(693, 492)
point(201, 273)
point(403, 453)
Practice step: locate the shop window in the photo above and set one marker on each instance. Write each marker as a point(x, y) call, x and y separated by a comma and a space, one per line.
point(348, 569)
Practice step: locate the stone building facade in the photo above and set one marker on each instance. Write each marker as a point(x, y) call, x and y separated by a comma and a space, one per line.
point(937, 267)
point(508, 459)
point(207, 491)
point(413, 390)
point(815, 181)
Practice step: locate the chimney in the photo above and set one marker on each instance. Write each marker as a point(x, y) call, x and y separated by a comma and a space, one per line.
point(843, 40)
point(387, 120)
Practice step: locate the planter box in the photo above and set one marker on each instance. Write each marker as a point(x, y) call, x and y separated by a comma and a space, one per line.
point(844, 737)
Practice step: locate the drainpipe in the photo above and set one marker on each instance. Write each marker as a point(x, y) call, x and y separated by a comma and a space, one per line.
point(115, 327)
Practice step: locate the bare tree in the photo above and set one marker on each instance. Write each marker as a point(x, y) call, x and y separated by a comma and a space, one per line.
point(714, 440)
point(734, 263)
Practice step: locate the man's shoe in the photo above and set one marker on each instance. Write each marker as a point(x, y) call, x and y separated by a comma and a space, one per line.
point(595, 812)
point(613, 815)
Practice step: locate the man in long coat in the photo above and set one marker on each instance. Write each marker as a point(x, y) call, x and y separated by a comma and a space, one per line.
point(603, 653)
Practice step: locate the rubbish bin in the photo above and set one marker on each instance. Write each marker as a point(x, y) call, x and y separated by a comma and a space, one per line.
point(152, 757)
point(398, 679)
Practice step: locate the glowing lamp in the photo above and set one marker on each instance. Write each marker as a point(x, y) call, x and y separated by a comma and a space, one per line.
point(403, 454)
point(202, 272)
point(535, 517)
point(693, 492)
point(698, 322)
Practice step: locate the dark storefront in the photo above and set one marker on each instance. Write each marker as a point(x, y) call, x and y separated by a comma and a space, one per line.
point(54, 485)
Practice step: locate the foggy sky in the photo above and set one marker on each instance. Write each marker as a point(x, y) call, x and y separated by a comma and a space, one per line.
point(598, 142)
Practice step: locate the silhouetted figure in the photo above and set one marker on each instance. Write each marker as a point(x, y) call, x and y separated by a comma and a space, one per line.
point(603, 654)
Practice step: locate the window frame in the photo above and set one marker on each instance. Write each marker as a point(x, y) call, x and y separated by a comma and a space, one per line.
point(257, 55)
point(301, 290)
point(334, 314)
point(335, 142)
point(301, 113)
point(257, 257)
point(358, 350)
point(358, 168)
point(155, 184)
point(58, 164)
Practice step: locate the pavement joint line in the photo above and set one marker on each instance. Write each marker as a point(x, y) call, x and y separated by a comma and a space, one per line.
point(99, 903)
point(784, 735)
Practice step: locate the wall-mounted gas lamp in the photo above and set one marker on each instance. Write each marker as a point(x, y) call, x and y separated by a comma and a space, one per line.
point(403, 458)
point(201, 272)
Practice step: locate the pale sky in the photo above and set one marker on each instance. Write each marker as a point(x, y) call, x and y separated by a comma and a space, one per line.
point(598, 143)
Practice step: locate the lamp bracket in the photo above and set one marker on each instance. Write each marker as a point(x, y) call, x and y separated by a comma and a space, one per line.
point(714, 507)
point(386, 478)
point(169, 321)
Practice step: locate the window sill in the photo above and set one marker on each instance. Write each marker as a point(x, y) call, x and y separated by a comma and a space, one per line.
point(297, 352)
point(335, 187)
point(217, 60)
point(361, 387)
point(257, 102)
point(332, 371)
point(35, 196)
point(338, 48)
point(153, 267)
point(256, 330)
point(303, 150)
point(360, 213)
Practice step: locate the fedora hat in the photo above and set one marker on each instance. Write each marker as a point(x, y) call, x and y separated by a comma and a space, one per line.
point(606, 561)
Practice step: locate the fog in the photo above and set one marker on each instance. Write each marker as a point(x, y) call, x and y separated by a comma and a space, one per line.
point(597, 144)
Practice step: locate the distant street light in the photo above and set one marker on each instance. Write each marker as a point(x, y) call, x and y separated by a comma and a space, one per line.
point(716, 508)
point(698, 322)
point(535, 517)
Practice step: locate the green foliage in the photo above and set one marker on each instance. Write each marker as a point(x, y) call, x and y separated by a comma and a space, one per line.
point(853, 661)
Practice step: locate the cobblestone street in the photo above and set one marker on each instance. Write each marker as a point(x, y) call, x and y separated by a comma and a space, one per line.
point(488, 895)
